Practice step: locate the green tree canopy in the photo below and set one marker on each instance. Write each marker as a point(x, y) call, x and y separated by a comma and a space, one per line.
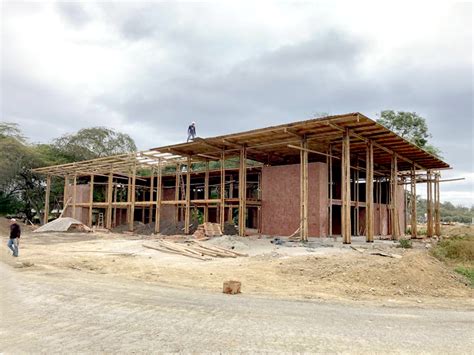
point(95, 142)
point(409, 125)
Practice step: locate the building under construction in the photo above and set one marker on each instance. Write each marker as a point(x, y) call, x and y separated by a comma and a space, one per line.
point(343, 175)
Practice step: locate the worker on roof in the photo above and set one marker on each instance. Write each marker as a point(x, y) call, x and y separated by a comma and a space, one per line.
point(191, 131)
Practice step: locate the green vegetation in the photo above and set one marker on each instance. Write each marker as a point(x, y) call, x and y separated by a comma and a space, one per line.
point(449, 213)
point(457, 252)
point(21, 190)
point(467, 272)
point(405, 243)
point(409, 125)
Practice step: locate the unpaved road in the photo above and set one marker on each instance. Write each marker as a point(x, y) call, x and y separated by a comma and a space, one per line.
point(71, 312)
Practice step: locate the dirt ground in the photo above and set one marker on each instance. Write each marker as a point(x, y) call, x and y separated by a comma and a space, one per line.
point(322, 269)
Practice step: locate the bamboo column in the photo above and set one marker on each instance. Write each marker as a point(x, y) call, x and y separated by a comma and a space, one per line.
point(66, 191)
point(74, 195)
point(304, 190)
point(159, 197)
point(152, 192)
point(222, 194)
point(110, 188)
point(132, 199)
point(356, 188)
point(206, 192)
point(369, 193)
point(346, 189)
point(231, 195)
point(129, 197)
point(330, 190)
point(188, 197)
point(413, 220)
point(46, 199)
point(176, 192)
point(429, 204)
point(437, 216)
point(114, 208)
point(91, 201)
point(395, 222)
point(242, 191)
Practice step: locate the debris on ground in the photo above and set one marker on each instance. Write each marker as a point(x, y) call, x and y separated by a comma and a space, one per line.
point(231, 287)
point(277, 241)
point(194, 249)
point(230, 229)
point(63, 224)
point(388, 255)
point(207, 230)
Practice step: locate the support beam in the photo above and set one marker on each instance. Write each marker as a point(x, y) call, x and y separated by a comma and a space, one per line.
point(304, 190)
point(46, 199)
point(132, 200)
point(74, 196)
point(413, 219)
point(346, 189)
point(66, 191)
point(437, 215)
point(159, 198)
point(330, 190)
point(206, 192)
point(110, 188)
point(395, 220)
point(222, 192)
point(91, 201)
point(188, 197)
point(176, 192)
point(429, 204)
point(129, 199)
point(152, 192)
point(369, 193)
point(242, 191)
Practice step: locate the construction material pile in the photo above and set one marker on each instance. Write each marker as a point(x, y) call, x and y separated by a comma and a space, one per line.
point(193, 249)
point(63, 224)
point(207, 230)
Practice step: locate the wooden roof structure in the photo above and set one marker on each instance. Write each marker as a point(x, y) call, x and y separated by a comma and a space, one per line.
point(275, 145)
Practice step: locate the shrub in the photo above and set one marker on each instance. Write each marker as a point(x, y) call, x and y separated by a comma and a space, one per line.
point(468, 272)
point(404, 243)
point(460, 249)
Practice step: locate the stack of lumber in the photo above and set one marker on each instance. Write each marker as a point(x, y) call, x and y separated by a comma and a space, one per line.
point(195, 250)
point(207, 230)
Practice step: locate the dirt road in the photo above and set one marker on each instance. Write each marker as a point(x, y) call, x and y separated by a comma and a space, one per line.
point(68, 311)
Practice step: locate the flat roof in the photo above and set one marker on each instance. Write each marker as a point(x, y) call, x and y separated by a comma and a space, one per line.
point(275, 145)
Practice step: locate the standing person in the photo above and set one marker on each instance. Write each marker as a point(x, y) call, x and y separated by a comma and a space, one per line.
point(15, 232)
point(191, 131)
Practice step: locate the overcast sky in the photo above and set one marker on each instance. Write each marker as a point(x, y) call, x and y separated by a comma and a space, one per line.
point(149, 68)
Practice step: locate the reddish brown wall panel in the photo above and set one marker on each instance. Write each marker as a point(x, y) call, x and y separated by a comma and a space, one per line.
point(281, 199)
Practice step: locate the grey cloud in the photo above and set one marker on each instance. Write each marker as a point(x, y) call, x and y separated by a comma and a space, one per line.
point(73, 12)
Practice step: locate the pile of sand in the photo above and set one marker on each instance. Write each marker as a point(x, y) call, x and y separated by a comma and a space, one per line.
point(63, 224)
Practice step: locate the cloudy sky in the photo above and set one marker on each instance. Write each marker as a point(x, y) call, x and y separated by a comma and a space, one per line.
point(149, 68)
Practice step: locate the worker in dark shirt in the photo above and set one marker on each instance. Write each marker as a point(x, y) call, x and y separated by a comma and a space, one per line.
point(15, 232)
point(191, 131)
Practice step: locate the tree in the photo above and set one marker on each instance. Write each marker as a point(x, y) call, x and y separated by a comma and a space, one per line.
point(95, 142)
point(410, 126)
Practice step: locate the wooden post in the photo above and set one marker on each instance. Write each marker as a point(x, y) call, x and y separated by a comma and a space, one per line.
point(176, 192)
point(110, 188)
point(429, 204)
point(91, 201)
point(46, 199)
point(66, 191)
point(188, 197)
point(346, 189)
point(231, 195)
point(152, 192)
point(114, 209)
point(330, 190)
point(242, 191)
point(159, 197)
point(437, 215)
point(356, 188)
point(413, 219)
point(74, 195)
point(222, 194)
point(304, 190)
point(369, 193)
point(132, 199)
point(206, 192)
point(395, 221)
